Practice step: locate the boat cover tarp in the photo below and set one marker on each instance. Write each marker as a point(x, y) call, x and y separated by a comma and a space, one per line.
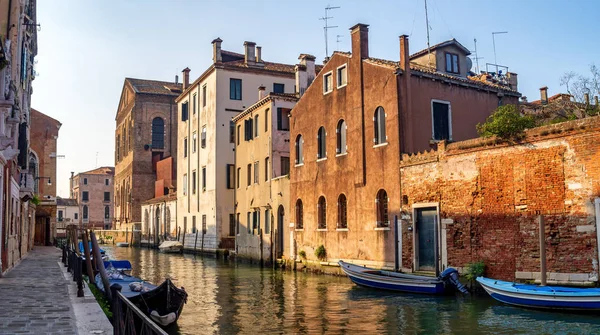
point(90, 244)
point(123, 265)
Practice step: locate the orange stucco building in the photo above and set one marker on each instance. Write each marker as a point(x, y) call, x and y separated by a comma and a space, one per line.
point(353, 122)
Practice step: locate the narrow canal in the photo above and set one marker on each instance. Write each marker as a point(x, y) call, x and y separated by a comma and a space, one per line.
point(229, 298)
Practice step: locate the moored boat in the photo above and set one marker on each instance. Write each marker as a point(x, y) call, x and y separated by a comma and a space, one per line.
point(545, 297)
point(171, 247)
point(162, 303)
point(122, 244)
point(389, 280)
point(121, 266)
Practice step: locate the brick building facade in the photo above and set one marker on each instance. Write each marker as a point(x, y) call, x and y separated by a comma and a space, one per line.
point(478, 200)
point(159, 213)
point(42, 164)
point(146, 132)
point(348, 131)
point(92, 190)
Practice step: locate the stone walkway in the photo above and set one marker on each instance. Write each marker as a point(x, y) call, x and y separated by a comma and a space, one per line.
point(34, 296)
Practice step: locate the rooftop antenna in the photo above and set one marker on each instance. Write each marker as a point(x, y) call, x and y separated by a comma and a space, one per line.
point(337, 40)
point(494, 41)
point(477, 58)
point(428, 46)
point(325, 27)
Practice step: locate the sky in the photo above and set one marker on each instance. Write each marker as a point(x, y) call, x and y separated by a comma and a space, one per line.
point(87, 48)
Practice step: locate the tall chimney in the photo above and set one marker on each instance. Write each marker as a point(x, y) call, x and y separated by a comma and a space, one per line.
point(261, 91)
point(512, 80)
point(186, 77)
point(249, 56)
point(305, 73)
point(404, 54)
point(586, 98)
point(176, 79)
point(258, 54)
point(544, 95)
point(216, 43)
point(359, 33)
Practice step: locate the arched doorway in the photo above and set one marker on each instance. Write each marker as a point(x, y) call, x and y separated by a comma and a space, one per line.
point(167, 222)
point(280, 235)
point(157, 225)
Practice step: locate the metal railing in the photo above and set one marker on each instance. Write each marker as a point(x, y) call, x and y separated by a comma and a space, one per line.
point(127, 318)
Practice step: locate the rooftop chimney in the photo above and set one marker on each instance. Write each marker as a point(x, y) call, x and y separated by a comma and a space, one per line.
point(305, 73)
point(249, 56)
point(176, 79)
point(404, 54)
point(586, 98)
point(216, 43)
point(544, 95)
point(186, 77)
point(261, 91)
point(258, 54)
point(512, 80)
point(359, 34)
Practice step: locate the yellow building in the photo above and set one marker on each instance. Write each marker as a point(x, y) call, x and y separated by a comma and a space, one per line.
point(262, 163)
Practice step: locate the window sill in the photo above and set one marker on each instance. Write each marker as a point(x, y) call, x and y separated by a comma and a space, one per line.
point(321, 229)
point(299, 229)
point(382, 228)
point(342, 229)
point(325, 93)
point(299, 165)
point(321, 159)
point(380, 145)
point(342, 86)
point(342, 154)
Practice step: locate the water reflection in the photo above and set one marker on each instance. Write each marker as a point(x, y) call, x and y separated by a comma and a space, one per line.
point(229, 298)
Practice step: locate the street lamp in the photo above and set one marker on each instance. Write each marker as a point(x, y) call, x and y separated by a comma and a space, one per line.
point(494, 42)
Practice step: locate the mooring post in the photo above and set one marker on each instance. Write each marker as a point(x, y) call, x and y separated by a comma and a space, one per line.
point(542, 250)
point(396, 235)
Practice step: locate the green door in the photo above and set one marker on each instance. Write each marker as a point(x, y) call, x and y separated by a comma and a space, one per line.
point(426, 238)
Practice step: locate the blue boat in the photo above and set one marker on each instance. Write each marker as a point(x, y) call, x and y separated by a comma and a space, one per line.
point(545, 297)
point(389, 280)
point(162, 303)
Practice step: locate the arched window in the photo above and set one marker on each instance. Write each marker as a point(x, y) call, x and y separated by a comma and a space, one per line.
point(158, 133)
point(341, 137)
point(85, 212)
point(299, 150)
point(322, 213)
point(157, 221)
point(146, 222)
point(167, 221)
point(299, 215)
point(379, 126)
point(382, 209)
point(342, 212)
point(106, 212)
point(321, 150)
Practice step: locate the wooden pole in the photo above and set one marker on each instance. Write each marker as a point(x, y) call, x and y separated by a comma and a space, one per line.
point(196, 241)
point(100, 265)
point(88, 258)
point(542, 250)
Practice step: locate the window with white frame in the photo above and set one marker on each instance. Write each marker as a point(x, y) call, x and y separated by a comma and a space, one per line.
point(321, 141)
point(342, 76)
point(203, 137)
point(379, 126)
point(441, 120)
point(185, 184)
point(327, 82)
point(194, 141)
point(299, 150)
point(341, 137)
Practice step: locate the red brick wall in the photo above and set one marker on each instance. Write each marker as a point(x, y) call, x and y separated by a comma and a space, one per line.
point(493, 194)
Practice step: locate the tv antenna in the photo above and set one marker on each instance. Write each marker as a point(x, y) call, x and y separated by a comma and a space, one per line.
point(337, 41)
point(428, 46)
point(326, 26)
point(477, 58)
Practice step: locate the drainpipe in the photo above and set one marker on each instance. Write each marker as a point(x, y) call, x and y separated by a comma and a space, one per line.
point(597, 206)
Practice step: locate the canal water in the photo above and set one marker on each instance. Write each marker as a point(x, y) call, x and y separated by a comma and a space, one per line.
point(229, 298)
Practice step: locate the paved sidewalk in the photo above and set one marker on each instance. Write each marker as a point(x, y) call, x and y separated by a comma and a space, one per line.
point(36, 297)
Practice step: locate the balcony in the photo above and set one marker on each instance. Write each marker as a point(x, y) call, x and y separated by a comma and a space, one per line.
point(26, 185)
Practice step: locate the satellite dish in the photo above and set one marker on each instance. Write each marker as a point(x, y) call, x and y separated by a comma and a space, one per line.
point(469, 64)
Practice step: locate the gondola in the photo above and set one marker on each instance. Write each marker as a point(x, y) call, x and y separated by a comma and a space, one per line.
point(162, 303)
point(394, 281)
point(544, 297)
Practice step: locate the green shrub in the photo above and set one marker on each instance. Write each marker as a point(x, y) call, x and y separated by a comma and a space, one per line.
point(475, 270)
point(35, 200)
point(321, 253)
point(302, 254)
point(506, 123)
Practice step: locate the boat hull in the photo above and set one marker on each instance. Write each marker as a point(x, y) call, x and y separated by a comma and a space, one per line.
point(386, 280)
point(547, 297)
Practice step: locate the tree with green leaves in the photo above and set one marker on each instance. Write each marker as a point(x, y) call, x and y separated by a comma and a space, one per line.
point(506, 122)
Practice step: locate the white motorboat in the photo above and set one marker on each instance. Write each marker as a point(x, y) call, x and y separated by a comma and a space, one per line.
point(171, 247)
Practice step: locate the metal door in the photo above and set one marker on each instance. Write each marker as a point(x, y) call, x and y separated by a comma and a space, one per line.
point(426, 238)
